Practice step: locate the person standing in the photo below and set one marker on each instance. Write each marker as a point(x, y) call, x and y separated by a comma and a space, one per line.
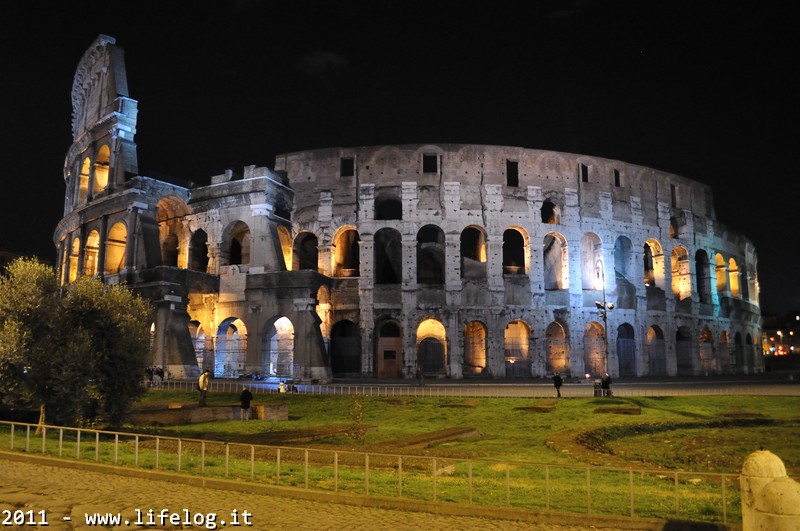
point(605, 384)
point(244, 399)
point(558, 381)
point(202, 386)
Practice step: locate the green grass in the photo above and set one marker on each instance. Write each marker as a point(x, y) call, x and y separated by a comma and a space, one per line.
point(667, 461)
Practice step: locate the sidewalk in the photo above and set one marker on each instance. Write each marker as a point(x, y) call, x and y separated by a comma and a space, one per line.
point(67, 494)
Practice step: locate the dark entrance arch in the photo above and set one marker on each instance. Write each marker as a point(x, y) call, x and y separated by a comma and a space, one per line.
point(430, 353)
point(345, 349)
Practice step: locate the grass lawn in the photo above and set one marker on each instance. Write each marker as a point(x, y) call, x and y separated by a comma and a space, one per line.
point(702, 434)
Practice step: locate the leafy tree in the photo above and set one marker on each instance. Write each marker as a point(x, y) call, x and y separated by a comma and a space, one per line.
point(78, 353)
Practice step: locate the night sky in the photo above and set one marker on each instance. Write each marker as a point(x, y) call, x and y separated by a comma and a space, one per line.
point(700, 89)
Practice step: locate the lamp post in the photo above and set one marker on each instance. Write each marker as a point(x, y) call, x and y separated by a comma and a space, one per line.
point(603, 309)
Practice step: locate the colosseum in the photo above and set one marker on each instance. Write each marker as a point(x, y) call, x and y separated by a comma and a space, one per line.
point(459, 261)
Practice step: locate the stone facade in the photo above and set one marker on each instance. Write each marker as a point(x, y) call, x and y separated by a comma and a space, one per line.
point(458, 261)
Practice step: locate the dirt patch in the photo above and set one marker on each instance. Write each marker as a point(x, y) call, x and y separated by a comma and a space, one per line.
point(304, 435)
point(423, 440)
point(620, 410)
point(542, 406)
point(736, 412)
point(466, 403)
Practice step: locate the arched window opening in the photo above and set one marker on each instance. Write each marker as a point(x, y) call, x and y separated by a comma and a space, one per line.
point(198, 251)
point(239, 246)
point(557, 348)
point(305, 254)
point(101, 164)
point(683, 351)
point(230, 348)
point(431, 347)
point(346, 349)
point(738, 354)
point(73, 259)
point(475, 349)
point(722, 275)
point(591, 259)
point(703, 268)
point(388, 257)
point(556, 263)
point(169, 250)
point(389, 350)
point(649, 273)
point(623, 258)
point(346, 257)
point(115, 248)
point(90, 254)
point(277, 358)
point(83, 182)
point(655, 351)
point(514, 262)
point(388, 207)
point(550, 213)
point(473, 253)
point(594, 349)
point(681, 274)
point(198, 336)
point(430, 255)
point(173, 233)
point(733, 275)
point(626, 350)
point(516, 340)
point(708, 361)
point(285, 239)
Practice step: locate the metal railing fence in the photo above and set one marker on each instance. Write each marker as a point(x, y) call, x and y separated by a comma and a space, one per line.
point(625, 492)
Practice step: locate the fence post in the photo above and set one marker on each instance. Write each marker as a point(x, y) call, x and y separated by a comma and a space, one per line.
point(203, 458)
point(60, 441)
point(44, 438)
point(136, 451)
point(179, 455)
point(366, 473)
point(278, 467)
point(252, 462)
point(433, 478)
point(158, 444)
point(399, 476)
point(11, 442)
point(116, 447)
point(227, 457)
point(335, 471)
point(78, 444)
point(305, 468)
point(97, 446)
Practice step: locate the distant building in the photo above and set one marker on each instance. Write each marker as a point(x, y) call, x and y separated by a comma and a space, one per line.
point(465, 261)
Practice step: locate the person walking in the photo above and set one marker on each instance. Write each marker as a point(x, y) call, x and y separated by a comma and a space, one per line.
point(558, 381)
point(202, 386)
point(244, 399)
point(605, 385)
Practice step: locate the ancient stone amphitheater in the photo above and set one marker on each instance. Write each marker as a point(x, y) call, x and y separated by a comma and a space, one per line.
point(455, 261)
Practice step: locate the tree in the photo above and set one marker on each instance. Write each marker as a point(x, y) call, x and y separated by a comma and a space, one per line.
point(78, 354)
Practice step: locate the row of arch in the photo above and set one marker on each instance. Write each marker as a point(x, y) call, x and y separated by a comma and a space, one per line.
point(226, 352)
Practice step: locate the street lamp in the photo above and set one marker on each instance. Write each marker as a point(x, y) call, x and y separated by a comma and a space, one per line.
point(603, 308)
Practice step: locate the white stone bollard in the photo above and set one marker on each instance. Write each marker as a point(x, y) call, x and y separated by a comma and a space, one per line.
point(770, 499)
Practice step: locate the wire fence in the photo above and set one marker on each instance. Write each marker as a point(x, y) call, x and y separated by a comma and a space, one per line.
point(622, 492)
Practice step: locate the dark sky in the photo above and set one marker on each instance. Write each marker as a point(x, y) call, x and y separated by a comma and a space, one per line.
point(700, 89)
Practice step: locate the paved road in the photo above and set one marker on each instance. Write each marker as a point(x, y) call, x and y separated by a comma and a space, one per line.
point(68, 493)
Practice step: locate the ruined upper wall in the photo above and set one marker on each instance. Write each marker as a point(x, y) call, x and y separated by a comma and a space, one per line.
point(474, 166)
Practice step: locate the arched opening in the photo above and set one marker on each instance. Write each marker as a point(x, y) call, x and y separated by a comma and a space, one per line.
point(431, 347)
point(388, 207)
point(324, 313)
point(516, 340)
point(239, 244)
point(101, 163)
point(708, 362)
point(285, 240)
point(90, 254)
point(73, 259)
point(83, 182)
point(230, 348)
point(173, 233)
point(557, 349)
point(733, 276)
point(345, 349)
point(681, 275)
point(346, 257)
point(198, 336)
point(430, 255)
point(389, 350)
point(388, 257)
point(721, 274)
point(115, 248)
point(591, 254)
point(649, 271)
point(655, 351)
point(475, 349)
point(550, 212)
point(473, 253)
point(683, 351)
point(594, 351)
point(727, 362)
point(277, 352)
point(305, 252)
point(556, 263)
point(198, 251)
point(514, 262)
point(623, 258)
point(738, 354)
point(626, 350)
point(703, 268)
